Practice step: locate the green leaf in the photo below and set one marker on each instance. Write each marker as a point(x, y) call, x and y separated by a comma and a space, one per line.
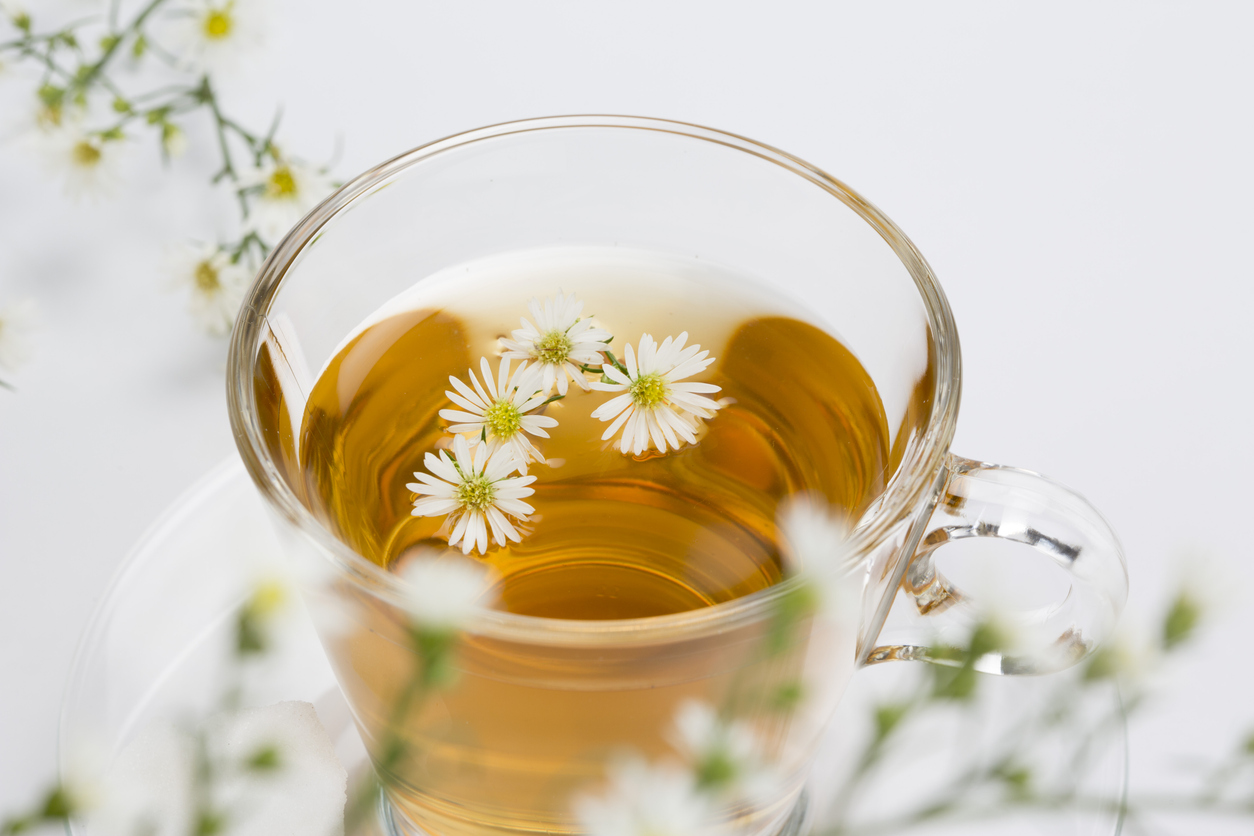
point(1182, 619)
point(888, 717)
point(51, 95)
point(108, 42)
point(121, 105)
point(139, 47)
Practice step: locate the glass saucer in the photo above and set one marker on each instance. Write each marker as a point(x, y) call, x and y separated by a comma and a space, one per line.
point(155, 647)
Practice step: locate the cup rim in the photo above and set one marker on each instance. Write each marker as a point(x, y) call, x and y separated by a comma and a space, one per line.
point(906, 489)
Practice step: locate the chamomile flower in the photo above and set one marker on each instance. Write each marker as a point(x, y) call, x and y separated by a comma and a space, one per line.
point(443, 594)
point(475, 491)
point(725, 756)
point(645, 799)
point(286, 191)
point(560, 342)
point(212, 35)
point(498, 412)
point(17, 321)
point(87, 160)
point(655, 406)
point(217, 286)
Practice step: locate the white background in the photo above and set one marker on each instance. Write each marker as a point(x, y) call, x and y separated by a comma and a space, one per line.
point(1080, 180)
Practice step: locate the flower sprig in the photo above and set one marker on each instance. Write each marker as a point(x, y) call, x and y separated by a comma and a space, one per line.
point(85, 117)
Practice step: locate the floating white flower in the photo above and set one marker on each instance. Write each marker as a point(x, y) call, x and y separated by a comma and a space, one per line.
point(212, 35)
point(645, 800)
point(217, 286)
point(442, 593)
point(560, 343)
point(813, 541)
point(288, 191)
point(725, 756)
point(88, 161)
point(498, 413)
point(17, 321)
point(655, 406)
point(475, 491)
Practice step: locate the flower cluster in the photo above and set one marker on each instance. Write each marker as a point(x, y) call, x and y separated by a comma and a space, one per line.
point(496, 417)
point(84, 120)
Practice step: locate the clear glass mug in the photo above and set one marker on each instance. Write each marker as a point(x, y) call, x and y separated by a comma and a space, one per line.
point(542, 704)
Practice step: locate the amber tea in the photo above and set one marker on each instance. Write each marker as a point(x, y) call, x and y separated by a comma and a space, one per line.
point(608, 528)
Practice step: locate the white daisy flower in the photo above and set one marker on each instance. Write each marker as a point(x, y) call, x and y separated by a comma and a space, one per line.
point(646, 800)
point(289, 190)
point(497, 413)
point(813, 548)
point(443, 594)
point(560, 343)
point(655, 407)
point(476, 492)
point(88, 162)
point(17, 321)
point(725, 757)
point(217, 286)
point(212, 35)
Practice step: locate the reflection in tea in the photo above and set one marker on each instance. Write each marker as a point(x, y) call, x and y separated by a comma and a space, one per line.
point(612, 536)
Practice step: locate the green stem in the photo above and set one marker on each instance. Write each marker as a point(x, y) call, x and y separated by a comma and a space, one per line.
point(116, 41)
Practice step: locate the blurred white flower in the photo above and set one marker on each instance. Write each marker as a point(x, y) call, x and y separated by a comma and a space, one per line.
point(288, 191)
point(443, 592)
point(17, 321)
point(216, 285)
point(645, 800)
point(725, 756)
point(213, 35)
point(813, 539)
point(88, 162)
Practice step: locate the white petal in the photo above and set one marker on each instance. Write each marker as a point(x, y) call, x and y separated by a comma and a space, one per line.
point(475, 400)
point(618, 422)
point(612, 407)
point(442, 467)
point(465, 403)
point(515, 507)
point(434, 507)
point(459, 533)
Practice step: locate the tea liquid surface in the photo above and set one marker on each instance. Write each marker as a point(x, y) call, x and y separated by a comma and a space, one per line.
point(613, 535)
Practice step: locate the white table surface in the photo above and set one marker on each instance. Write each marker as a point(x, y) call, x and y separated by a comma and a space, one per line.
point(1079, 177)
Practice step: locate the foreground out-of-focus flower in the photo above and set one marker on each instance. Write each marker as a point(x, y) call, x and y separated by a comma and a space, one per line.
point(17, 321)
point(213, 35)
point(644, 799)
point(88, 161)
point(216, 285)
point(725, 756)
point(560, 343)
point(286, 191)
point(496, 410)
point(655, 406)
point(443, 593)
point(476, 491)
point(813, 539)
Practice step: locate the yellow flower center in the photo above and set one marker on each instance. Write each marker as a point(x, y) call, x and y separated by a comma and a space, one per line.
point(502, 419)
point(85, 154)
point(648, 390)
point(207, 278)
point(218, 24)
point(554, 347)
point(281, 184)
point(476, 493)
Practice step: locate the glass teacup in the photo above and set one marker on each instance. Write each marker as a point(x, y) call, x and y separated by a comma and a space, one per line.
point(541, 706)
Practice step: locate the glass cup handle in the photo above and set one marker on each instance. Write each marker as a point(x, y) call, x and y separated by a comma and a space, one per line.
point(988, 500)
